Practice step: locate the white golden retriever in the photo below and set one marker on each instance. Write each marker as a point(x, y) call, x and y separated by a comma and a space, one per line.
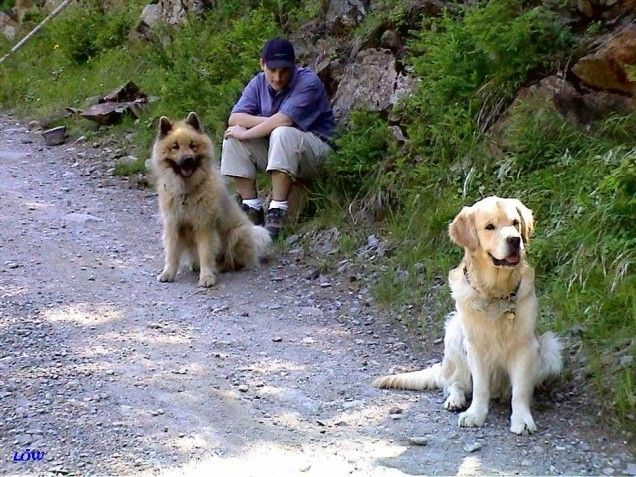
point(490, 344)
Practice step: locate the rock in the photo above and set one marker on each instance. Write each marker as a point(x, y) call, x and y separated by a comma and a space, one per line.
point(606, 68)
point(8, 27)
point(175, 12)
point(356, 404)
point(310, 311)
point(80, 218)
point(149, 18)
point(418, 441)
point(475, 446)
point(342, 16)
point(395, 410)
point(606, 10)
point(369, 82)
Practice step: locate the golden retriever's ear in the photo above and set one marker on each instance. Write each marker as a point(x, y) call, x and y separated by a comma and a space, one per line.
point(193, 120)
point(526, 219)
point(165, 126)
point(462, 230)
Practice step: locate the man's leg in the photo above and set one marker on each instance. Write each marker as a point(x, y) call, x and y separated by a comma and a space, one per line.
point(292, 154)
point(240, 160)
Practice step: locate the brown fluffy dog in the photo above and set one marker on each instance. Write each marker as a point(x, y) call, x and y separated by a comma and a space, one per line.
point(199, 217)
point(490, 345)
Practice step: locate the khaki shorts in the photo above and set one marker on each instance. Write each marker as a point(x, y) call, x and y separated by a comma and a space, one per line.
point(297, 153)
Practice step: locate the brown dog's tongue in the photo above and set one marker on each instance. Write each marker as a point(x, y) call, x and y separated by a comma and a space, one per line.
point(186, 172)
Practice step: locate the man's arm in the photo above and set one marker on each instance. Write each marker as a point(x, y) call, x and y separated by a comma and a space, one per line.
point(244, 119)
point(261, 130)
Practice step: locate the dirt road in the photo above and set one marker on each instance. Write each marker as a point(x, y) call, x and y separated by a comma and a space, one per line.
point(108, 372)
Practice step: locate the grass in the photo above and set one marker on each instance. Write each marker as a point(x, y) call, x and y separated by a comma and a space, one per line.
point(580, 181)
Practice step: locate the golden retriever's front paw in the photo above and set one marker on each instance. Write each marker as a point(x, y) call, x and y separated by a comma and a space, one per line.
point(522, 424)
point(455, 403)
point(471, 418)
point(207, 280)
point(166, 276)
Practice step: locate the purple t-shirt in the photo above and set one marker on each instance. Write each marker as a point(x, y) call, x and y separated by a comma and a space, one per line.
point(304, 101)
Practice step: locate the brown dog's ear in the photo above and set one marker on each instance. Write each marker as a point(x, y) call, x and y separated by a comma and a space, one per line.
point(526, 219)
point(165, 126)
point(462, 230)
point(193, 120)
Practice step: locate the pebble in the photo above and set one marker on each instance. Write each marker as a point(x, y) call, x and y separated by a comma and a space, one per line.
point(475, 446)
point(418, 441)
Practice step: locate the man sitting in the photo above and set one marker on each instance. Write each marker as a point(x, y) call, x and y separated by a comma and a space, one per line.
point(282, 124)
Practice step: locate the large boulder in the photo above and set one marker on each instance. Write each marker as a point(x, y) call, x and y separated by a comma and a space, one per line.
point(175, 12)
point(606, 68)
point(370, 82)
point(150, 17)
point(342, 16)
point(580, 104)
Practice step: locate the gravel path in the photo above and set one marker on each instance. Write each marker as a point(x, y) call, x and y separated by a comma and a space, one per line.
point(108, 372)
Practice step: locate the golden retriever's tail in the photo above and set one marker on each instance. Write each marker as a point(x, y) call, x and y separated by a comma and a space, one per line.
point(246, 244)
point(551, 362)
point(429, 378)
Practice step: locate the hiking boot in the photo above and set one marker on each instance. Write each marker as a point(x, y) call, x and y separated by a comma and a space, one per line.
point(257, 216)
point(274, 221)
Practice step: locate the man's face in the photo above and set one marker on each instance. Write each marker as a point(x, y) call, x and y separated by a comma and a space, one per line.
point(277, 78)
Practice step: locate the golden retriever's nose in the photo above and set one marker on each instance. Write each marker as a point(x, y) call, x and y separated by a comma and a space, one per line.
point(514, 242)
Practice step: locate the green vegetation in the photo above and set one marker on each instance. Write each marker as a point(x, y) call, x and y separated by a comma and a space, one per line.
point(579, 181)
point(6, 5)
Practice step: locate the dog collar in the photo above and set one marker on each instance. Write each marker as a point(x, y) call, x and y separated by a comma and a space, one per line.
point(511, 297)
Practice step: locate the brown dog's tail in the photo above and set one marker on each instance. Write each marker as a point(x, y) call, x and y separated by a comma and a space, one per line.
point(550, 361)
point(245, 246)
point(429, 378)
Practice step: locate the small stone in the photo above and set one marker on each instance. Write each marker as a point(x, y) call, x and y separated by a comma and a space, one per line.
point(438, 341)
point(418, 441)
point(395, 410)
point(357, 404)
point(305, 468)
point(277, 339)
point(475, 446)
point(243, 388)
point(608, 471)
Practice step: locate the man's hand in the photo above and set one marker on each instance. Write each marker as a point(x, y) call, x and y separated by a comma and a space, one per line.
point(237, 132)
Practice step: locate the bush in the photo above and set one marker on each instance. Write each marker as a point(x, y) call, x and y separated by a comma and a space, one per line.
point(6, 5)
point(84, 31)
point(358, 163)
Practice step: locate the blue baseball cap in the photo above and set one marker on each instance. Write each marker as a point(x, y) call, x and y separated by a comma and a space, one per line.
point(278, 53)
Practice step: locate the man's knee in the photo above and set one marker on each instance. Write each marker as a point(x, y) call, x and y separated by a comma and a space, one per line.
point(285, 135)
